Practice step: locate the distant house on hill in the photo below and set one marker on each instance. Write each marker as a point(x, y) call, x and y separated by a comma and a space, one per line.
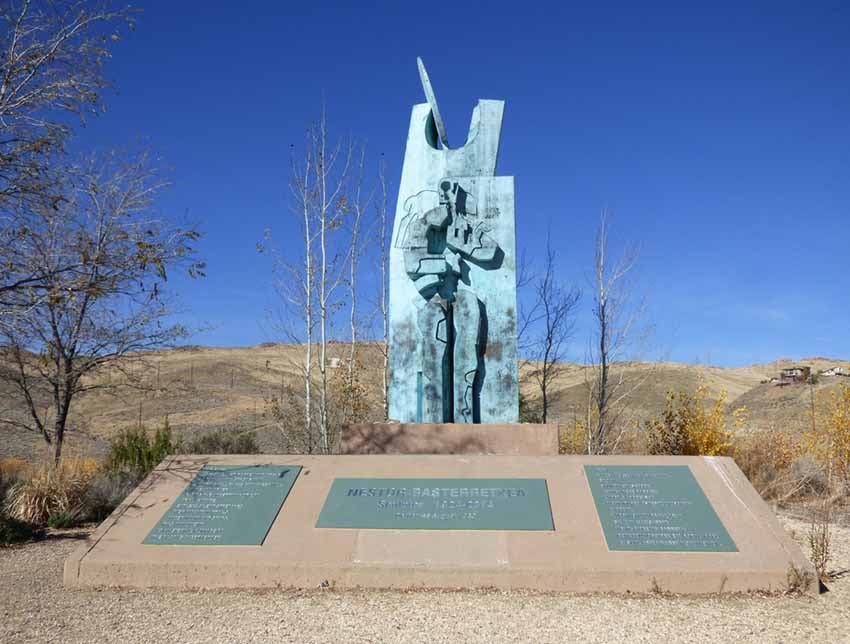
point(837, 371)
point(794, 374)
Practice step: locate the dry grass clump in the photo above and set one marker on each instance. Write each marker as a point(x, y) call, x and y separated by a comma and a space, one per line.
point(775, 465)
point(44, 490)
point(11, 467)
point(10, 470)
point(47, 495)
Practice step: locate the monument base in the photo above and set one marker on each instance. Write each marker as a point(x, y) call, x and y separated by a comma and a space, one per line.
point(549, 523)
point(449, 438)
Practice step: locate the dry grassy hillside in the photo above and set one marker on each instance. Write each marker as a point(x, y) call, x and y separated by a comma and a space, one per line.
point(202, 389)
point(648, 384)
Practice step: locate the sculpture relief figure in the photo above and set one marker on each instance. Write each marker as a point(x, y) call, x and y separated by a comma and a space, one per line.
point(452, 218)
point(437, 245)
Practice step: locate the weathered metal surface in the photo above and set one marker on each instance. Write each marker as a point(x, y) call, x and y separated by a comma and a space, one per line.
point(226, 505)
point(432, 101)
point(453, 275)
point(655, 508)
point(437, 504)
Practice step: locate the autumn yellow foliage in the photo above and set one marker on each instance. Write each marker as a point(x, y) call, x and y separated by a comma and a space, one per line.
point(828, 439)
point(690, 426)
point(572, 437)
point(351, 396)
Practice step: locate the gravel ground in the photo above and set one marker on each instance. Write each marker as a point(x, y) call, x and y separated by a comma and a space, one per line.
point(34, 607)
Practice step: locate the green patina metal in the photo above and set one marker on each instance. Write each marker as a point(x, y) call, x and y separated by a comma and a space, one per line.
point(655, 508)
point(226, 505)
point(437, 504)
point(452, 332)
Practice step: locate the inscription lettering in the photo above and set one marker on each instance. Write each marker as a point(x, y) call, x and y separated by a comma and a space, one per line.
point(442, 504)
point(655, 508)
point(225, 505)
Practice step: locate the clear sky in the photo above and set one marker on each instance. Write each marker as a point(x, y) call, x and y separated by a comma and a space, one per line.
point(719, 135)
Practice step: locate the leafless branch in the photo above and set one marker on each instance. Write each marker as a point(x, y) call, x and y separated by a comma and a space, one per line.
point(546, 327)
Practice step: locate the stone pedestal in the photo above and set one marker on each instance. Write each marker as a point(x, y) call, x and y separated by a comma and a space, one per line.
point(579, 524)
point(449, 438)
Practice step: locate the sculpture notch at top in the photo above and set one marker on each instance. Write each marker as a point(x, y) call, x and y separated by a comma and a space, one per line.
point(432, 101)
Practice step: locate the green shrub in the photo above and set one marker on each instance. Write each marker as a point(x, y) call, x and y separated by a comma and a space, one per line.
point(223, 441)
point(14, 531)
point(64, 519)
point(132, 450)
point(529, 411)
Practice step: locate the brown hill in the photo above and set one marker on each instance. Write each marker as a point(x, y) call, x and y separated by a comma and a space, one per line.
point(201, 389)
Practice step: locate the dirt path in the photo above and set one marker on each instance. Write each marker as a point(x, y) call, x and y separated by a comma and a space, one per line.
point(34, 607)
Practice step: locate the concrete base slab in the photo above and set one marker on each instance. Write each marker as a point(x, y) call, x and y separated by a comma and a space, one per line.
point(573, 557)
point(450, 438)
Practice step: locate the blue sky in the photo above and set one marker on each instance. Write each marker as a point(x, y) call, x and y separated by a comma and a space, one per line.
point(719, 135)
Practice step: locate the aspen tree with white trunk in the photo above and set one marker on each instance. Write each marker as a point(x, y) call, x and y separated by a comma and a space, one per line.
point(330, 208)
point(383, 305)
point(357, 207)
point(311, 278)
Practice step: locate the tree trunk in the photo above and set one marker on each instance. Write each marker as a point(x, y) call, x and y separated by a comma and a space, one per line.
point(352, 357)
point(59, 431)
point(384, 306)
point(323, 294)
point(602, 396)
point(544, 391)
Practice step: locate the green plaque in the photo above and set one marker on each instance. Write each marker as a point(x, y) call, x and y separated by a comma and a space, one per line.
point(437, 504)
point(655, 508)
point(226, 505)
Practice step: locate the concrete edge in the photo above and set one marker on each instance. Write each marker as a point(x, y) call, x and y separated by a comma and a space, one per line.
point(295, 577)
point(71, 570)
point(752, 502)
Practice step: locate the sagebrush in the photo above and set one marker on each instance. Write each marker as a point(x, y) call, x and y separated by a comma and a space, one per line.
point(223, 441)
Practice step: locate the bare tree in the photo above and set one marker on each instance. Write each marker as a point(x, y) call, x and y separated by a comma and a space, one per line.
point(320, 184)
point(358, 205)
point(295, 283)
point(330, 205)
point(107, 304)
point(51, 65)
point(545, 328)
point(617, 321)
point(298, 286)
point(383, 305)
